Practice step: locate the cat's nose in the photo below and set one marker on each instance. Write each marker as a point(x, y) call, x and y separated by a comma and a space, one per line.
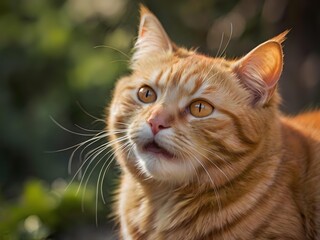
point(156, 125)
point(159, 120)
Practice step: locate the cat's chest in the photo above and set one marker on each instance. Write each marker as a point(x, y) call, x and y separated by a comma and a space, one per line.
point(176, 215)
point(163, 216)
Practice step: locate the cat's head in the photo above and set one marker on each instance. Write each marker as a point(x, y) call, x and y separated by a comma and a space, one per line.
point(185, 114)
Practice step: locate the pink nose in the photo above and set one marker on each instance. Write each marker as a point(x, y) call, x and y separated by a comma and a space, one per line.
point(158, 120)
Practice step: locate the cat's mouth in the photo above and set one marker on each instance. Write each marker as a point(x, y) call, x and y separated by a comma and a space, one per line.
point(154, 148)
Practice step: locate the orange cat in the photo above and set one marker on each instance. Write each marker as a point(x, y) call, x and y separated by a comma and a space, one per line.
point(205, 152)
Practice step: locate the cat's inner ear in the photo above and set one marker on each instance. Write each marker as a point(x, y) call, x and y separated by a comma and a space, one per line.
point(260, 70)
point(152, 37)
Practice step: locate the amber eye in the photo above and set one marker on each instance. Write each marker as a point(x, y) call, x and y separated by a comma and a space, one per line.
point(200, 108)
point(147, 94)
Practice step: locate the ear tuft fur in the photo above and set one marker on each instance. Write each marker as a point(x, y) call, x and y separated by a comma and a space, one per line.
point(281, 37)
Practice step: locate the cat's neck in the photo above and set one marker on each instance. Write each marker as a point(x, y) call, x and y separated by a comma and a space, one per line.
point(260, 171)
point(256, 179)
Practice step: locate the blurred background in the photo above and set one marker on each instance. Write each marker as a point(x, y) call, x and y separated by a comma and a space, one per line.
point(59, 60)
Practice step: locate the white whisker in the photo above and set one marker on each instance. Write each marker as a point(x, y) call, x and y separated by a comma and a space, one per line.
point(96, 138)
point(215, 165)
point(208, 174)
point(220, 45)
point(93, 155)
point(230, 36)
point(70, 131)
point(89, 155)
point(87, 130)
point(124, 147)
point(88, 114)
point(100, 180)
point(78, 147)
point(115, 49)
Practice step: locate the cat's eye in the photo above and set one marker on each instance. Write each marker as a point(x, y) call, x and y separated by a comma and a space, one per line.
point(147, 95)
point(200, 108)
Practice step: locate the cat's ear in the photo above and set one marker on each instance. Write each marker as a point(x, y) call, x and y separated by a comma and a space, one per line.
point(260, 70)
point(152, 37)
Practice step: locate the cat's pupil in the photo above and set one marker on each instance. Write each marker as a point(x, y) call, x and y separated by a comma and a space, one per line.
point(200, 106)
point(147, 93)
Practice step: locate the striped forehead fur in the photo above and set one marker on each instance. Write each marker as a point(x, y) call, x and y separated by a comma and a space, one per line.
point(191, 74)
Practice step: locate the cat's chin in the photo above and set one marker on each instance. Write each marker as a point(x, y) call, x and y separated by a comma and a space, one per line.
point(158, 163)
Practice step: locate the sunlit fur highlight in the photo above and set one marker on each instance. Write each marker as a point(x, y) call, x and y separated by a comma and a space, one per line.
point(244, 172)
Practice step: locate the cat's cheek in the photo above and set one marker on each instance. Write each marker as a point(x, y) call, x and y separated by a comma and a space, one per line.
point(139, 134)
point(120, 112)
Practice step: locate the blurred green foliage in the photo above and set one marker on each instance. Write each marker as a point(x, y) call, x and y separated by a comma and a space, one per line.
point(50, 59)
point(52, 56)
point(42, 212)
point(58, 54)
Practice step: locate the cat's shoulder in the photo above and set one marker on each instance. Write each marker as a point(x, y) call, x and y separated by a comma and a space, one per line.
point(310, 119)
point(306, 125)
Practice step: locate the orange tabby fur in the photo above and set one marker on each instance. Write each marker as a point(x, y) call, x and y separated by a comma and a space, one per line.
point(244, 172)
